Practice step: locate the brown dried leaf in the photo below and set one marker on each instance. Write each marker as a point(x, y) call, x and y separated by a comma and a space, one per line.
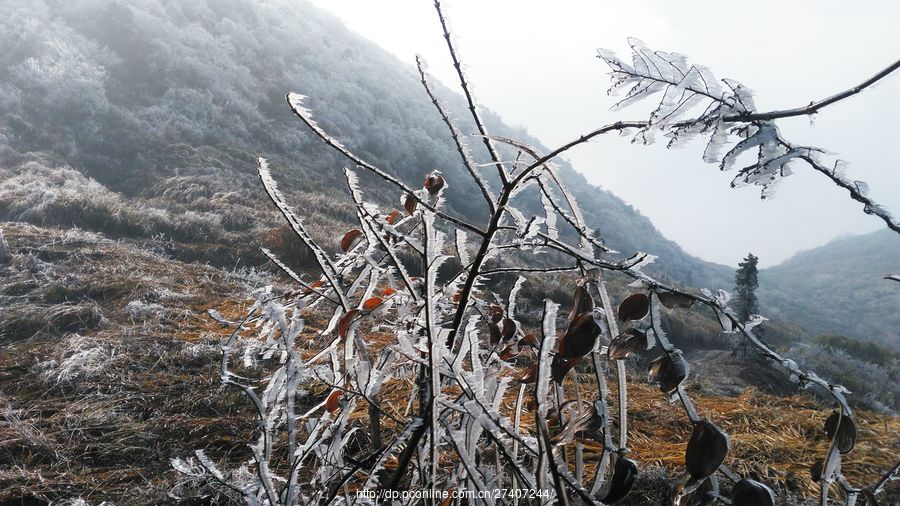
point(394, 217)
point(529, 340)
point(634, 307)
point(673, 300)
point(580, 337)
point(372, 303)
point(496, 313)
point(410, 203)
point(582, 302)
point(315, 285)
point(706, 450)
point(624, 475)
point(749, 492)
point(494, 332)
point(508, 329)
point(559, 367)
point(668, 371)
point(433, 184)
point(529, 375)
point(347, 321)
point(350, 239)
point(623, 345)
point(333, 402)
point(508, 353)
point(846, 432)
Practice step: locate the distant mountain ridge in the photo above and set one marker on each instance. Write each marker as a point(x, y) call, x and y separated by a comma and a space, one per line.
point(167, 104)
point(134, 94)
point(839, 288)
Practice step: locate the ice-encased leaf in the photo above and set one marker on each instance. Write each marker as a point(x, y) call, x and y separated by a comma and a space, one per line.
point(548, 327)
point(209, 465)
point(513, 295)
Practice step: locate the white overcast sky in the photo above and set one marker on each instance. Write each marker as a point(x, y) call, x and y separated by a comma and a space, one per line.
point(533, 62)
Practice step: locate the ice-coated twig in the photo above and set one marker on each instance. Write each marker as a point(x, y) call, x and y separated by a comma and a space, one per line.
point(815, 106)
point(295, 100)
point(455, 134)
point(464, 86)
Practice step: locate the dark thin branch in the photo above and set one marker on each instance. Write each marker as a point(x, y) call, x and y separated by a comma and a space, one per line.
point(580, 229)
point(302, 113)
point(457, 138)
point(618, 125)
point(892, 474)
point(502, 270)
point(495, 157)
point(325, 263)
point(293, 275)
point(494, 225)
point(813, 107)
point(871, 207)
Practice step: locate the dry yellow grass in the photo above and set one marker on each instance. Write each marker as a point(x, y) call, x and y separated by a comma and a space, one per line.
point(775, 439)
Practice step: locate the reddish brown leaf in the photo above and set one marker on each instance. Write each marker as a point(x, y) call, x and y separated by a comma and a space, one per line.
point(433, 184)
point(580, 337)
point(350, 239)
point(372, 303)
point(582, 302)
point(313, 286)
point(387, 292)
point(496, 313)
point(627, 343)
point(529, 375)
point(410, 203)
point(346, 321)
point(394, 217)
point(508, 354)
point(634, 307)
point(333, 402)
point(668, 371)
point(529, 340)
point(509, 328)
point(494, 331)
point(561, 366)
point(672, 300)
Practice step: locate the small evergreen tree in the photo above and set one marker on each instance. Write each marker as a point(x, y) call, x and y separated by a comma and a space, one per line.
point(746, 280)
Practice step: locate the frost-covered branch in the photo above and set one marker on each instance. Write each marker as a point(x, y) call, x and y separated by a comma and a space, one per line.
point(455, 134)
point(815, 106)
point(295, 100)
point(727, 111)
point(464, 86)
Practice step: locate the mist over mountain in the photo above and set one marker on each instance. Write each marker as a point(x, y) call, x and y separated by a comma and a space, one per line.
point(839, 288)
point(135, 94)
point(145, 117)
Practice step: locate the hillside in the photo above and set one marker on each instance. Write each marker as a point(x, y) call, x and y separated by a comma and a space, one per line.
point(166, 104)
point(838, 288)
point(109, 369)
